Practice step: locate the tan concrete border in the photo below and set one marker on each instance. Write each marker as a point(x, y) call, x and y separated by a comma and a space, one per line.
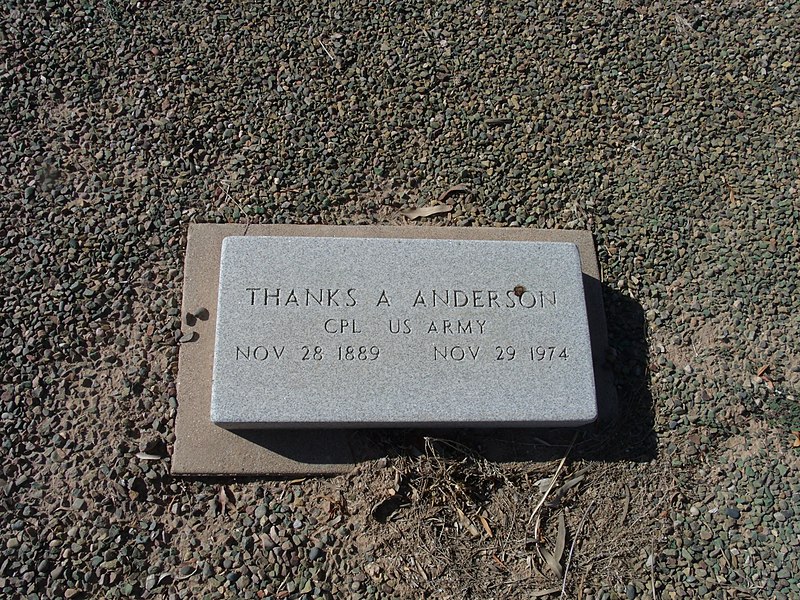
point(202, 448)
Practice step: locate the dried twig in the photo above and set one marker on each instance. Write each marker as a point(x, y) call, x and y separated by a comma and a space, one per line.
point(552, 481)
point(241, 209)
point(653, 571)
point(324, 47)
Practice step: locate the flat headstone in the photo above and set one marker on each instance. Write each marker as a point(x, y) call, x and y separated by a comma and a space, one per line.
point(365, 332)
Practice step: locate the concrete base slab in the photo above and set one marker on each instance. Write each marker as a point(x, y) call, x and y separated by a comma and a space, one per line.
point(202, 448)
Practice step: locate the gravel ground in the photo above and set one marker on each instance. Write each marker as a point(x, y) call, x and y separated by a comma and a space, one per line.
point(669, 129)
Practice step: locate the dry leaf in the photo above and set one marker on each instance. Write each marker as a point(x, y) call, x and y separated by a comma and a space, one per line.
point(625, 505)
point(466, 523)
point(565, 487)
point(454, 190)
point(537, 526)
point(498, 122)
point(551, 563)
point(226, 498)
point(500, 563)
point(485, 524)
point(561, 539)
point(426, 211)
point(146, 456)
point(762, 373)
point(541, 593)
point(796, 441)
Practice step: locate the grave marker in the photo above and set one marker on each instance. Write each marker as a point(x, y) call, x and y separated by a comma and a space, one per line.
point(366, 332)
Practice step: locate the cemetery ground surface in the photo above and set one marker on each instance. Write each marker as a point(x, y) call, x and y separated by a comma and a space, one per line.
point(669, 129)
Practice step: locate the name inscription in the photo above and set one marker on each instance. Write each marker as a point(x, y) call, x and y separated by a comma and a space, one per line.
point(349, 298)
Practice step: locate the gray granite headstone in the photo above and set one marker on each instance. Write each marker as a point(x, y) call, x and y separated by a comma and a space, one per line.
point(363, 332)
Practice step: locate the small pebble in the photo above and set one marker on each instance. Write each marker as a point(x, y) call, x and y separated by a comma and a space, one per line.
point(732, 512)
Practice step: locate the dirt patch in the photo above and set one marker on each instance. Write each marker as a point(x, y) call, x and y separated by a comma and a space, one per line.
point(448, 524)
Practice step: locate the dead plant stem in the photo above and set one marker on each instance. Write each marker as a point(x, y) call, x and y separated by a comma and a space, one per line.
point(552, 481)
